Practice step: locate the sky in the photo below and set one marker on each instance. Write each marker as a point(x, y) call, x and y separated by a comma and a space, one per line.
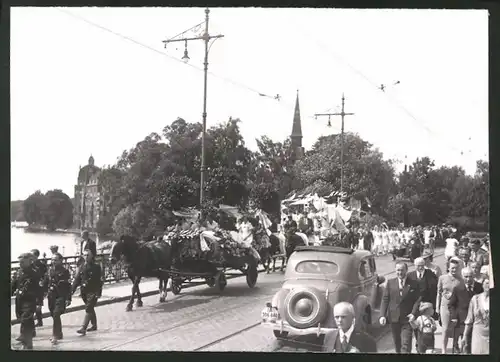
point(95, 81)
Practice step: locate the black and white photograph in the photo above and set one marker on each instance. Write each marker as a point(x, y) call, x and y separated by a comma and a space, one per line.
point(250, 179)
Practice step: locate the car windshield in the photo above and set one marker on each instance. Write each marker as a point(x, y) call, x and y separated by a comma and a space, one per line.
point(317, 267)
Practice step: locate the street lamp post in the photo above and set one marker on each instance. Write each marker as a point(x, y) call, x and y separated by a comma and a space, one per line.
point(342, 114)
point(206, 38)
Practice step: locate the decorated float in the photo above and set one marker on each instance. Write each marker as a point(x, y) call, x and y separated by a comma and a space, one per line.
point(211, 249)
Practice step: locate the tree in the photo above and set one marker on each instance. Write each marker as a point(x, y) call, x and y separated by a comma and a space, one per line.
point(33, 208)
point(16, 211)
point(58, 211)
point(366, 173)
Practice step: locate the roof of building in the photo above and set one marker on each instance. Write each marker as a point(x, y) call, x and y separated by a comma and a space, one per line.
point(86, 172)
point(297, 127)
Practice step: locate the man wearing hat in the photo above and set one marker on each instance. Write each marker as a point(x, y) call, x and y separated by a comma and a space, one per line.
point(25, 284)
point(57, 283)
point(476, 253)
point(89, 281)
point(41, 269)
point(87, 243)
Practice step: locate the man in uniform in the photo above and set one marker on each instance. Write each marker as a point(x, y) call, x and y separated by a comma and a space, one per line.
point(89, 281)
point(57, 282)
point(25, 284)
point(41, 269)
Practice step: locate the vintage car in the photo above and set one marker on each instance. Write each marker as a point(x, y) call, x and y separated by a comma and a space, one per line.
point(316, 278)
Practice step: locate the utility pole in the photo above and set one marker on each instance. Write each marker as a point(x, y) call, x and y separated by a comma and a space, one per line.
point(342, 114)
point(206, 38)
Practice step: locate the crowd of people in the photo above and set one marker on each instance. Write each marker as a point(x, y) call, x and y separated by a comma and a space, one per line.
point(35, 281)
point(414, 303)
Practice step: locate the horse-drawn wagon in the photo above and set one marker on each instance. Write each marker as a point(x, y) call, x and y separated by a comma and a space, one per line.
point(209, 256)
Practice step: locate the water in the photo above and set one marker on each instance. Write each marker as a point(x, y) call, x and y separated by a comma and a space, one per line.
point(21, 242)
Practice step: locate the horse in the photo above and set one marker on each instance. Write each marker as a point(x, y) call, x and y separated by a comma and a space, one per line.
point(143, 259)
point(266, 254)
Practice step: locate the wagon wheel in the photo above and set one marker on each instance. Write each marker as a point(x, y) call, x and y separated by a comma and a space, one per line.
point(220, 281)
point(176, 286)
point(252, 275)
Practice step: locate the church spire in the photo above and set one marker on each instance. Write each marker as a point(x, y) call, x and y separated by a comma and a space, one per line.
point(296, 135)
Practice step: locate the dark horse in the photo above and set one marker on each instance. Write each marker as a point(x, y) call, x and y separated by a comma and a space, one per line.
point(143, 259)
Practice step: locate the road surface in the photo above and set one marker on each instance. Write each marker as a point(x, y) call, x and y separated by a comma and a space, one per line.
point(199, 319)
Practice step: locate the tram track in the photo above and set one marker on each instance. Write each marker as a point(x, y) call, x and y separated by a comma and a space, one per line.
point(384, 331)
point(234, 327)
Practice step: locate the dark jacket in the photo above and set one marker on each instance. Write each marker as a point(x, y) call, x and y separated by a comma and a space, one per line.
point(362, 341)
point(89, 244)
point(88, 279)
point(458, 304)
point(427, 285)
point(57, 283)
point(25, 284)
point(396, 307)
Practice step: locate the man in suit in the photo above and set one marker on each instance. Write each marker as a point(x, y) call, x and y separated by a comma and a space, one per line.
point(476, 253)
point(400, 303)
point(347, 339)
point(87, 244)
point(427, 284)
point(459, 304)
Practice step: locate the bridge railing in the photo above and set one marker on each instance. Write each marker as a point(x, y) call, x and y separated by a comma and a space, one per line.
point(110, 273)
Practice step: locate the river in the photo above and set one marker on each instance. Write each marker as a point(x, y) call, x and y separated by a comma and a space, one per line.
point(21, 242)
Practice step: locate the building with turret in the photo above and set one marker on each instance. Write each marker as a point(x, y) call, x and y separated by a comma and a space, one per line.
point(296, 136)
point(87, 208)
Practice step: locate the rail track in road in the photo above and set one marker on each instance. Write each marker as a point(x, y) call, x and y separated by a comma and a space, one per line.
point(283, 345)
point(198, 320)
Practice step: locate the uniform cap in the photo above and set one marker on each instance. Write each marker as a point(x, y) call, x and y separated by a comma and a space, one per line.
point(25, 256)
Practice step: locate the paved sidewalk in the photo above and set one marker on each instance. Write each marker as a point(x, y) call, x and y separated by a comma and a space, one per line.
point(111, 293)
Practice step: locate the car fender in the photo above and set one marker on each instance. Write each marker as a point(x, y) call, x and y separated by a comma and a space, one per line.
point(361, 305)
point(278, 300)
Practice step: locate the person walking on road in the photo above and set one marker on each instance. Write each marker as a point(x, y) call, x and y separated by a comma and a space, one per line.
point(426, 327)
point(87, 244)
point(347, 338)
point(399, 307)
point(459, 305)
point(446, 284)
point(89, 281)
point(41, 270)
point(477, 323)
point(25, 284)
point(431, 266)
point(58, 286)
point(427, 283)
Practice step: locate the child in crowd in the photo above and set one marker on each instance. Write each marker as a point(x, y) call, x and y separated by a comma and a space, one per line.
point(426, 326)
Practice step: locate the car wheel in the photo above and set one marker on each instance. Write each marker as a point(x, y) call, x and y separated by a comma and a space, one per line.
point(279, 334)
point(305, 307)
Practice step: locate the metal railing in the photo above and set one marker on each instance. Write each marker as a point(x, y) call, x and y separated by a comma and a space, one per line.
point(110, 273)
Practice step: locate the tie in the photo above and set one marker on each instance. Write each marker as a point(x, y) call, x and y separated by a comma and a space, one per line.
point(344, 343)
point(400, 287)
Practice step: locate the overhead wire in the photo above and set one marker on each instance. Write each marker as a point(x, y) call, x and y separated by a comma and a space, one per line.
point(418, 122)
point(125, 37)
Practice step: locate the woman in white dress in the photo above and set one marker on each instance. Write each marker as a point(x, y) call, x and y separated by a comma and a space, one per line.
point(451, 247)
point(385, 241)
point(377, 241)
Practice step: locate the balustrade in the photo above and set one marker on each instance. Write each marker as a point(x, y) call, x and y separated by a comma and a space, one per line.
point(110, 273)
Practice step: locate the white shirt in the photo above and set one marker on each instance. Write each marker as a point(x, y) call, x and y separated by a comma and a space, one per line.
point(401, 283)
point(347, 334)
point(451, 247)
